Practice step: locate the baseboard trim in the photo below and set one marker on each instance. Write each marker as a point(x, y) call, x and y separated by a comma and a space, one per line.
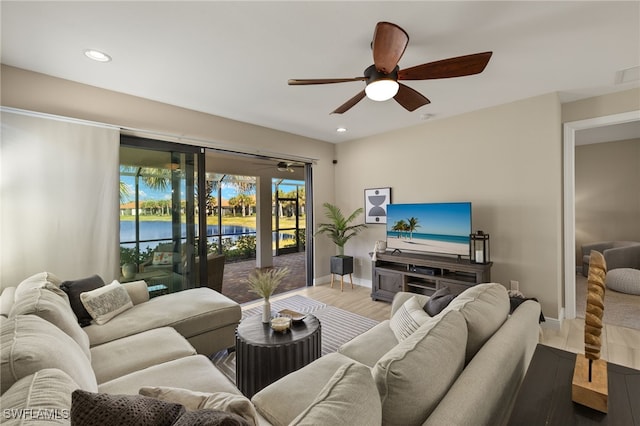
point(356, 281)
point(553, 323)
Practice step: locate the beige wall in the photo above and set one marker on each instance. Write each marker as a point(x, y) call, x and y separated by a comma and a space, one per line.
point(41, 93)
point(607, 192)
point(599, 106)
point(506, 160)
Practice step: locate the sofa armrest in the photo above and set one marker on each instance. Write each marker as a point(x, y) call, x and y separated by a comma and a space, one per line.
point(486, 389)
point(138, 291)
point(623, 257)
point(599, 246)
point(403, 296)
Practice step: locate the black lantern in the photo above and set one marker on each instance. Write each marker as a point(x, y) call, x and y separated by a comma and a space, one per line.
point(479, 248)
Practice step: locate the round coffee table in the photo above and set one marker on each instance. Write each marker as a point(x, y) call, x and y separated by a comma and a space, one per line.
point(263, 355)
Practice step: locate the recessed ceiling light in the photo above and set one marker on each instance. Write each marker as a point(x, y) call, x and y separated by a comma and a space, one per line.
point(341, 129)
point(96, 55)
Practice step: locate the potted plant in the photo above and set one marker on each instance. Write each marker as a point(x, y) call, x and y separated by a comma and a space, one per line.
point(340, 230)
point(264, 282)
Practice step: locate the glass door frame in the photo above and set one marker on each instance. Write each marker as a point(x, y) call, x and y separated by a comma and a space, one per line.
point(196, 197)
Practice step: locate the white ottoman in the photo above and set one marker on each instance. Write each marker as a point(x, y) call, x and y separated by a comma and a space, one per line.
point(624, 280)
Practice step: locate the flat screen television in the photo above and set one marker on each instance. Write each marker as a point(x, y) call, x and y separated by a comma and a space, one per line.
point(429, 227)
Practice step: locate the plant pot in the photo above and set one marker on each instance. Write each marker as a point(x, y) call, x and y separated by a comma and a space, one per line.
point(341, 265)
point(129, 270)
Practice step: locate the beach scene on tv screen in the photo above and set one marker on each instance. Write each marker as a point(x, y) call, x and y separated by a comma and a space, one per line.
point(437, 228)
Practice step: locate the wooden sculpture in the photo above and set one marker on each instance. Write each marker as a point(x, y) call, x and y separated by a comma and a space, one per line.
point(590, 374)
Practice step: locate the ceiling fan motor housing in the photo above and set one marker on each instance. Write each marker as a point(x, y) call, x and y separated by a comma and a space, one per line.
point(373, 74)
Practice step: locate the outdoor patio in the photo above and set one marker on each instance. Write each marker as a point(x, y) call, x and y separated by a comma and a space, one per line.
point(235, 287)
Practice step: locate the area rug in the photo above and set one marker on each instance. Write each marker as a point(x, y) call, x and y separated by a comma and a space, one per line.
point(338, 327)
point(620, 309)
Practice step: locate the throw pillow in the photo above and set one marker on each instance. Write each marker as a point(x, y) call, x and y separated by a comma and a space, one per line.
point(349, 398)
point(209, 417)
point(36, 281)
point(438, 301)
point(192, 400)
point(408, 319)
point(106, 302)
point(101, 409)
point(47, 389)
point(162, 258)
point(51, 304)
point(73, 290)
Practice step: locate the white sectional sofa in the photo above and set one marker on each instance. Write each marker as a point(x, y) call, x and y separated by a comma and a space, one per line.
point(460, 367)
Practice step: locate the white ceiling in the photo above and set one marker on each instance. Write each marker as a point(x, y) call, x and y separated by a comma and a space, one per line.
point(233, 59)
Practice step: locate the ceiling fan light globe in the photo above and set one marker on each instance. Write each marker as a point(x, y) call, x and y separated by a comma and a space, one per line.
point(382, 89)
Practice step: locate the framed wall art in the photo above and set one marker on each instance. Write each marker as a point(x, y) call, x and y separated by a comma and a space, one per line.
point(375, 204)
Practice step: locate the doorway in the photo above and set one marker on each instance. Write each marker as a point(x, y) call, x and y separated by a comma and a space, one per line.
point(569, 221)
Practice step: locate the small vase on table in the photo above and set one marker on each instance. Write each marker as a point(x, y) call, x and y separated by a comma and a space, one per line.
point(266, 311)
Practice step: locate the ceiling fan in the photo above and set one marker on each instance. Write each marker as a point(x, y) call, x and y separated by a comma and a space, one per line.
point(283, 166)
point(388, 45)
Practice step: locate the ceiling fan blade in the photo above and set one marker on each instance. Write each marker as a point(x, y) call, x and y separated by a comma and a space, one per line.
point(446, 68)
point(389, 42)
point(350, 103)
point(410, 99)
point(298, 82)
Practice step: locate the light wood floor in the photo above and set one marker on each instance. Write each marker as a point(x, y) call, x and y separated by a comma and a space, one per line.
point(620, 345)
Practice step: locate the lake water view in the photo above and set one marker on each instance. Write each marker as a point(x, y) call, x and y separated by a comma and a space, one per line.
point(162, 230)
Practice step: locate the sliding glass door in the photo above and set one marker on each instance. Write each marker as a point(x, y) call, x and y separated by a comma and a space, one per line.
point(159, 215)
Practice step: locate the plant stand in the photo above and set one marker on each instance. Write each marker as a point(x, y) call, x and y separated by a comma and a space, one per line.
point(342, 265)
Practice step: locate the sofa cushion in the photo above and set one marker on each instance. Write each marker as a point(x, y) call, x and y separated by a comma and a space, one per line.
point(408, 319)
point(350, 398)
point(414, 376)
point(209, 417)
point(132, 352)
point(438, 301)
point(100, 409)
point(485, 308)
point(51, 304)
point(106, 302)
point(73, 290)
point(191, 372)
point(36, 281)
point(284, 400)
point(225, 401)
point(191, 312)
point(369, 347)
point(138, 291)
point(29, 344)
point(48, 389)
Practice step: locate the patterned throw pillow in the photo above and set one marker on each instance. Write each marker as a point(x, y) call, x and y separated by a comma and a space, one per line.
point(101, 409)
point(106, 302)
point(162, 258)
point(408, 319)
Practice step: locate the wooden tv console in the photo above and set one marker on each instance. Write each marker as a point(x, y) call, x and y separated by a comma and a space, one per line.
point(424, 274)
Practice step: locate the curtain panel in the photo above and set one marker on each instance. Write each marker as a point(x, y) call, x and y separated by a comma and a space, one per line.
point(60, 198)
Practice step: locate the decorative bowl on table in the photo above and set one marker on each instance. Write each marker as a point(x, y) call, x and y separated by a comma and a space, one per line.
point(281, 324)
point(295, 316)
